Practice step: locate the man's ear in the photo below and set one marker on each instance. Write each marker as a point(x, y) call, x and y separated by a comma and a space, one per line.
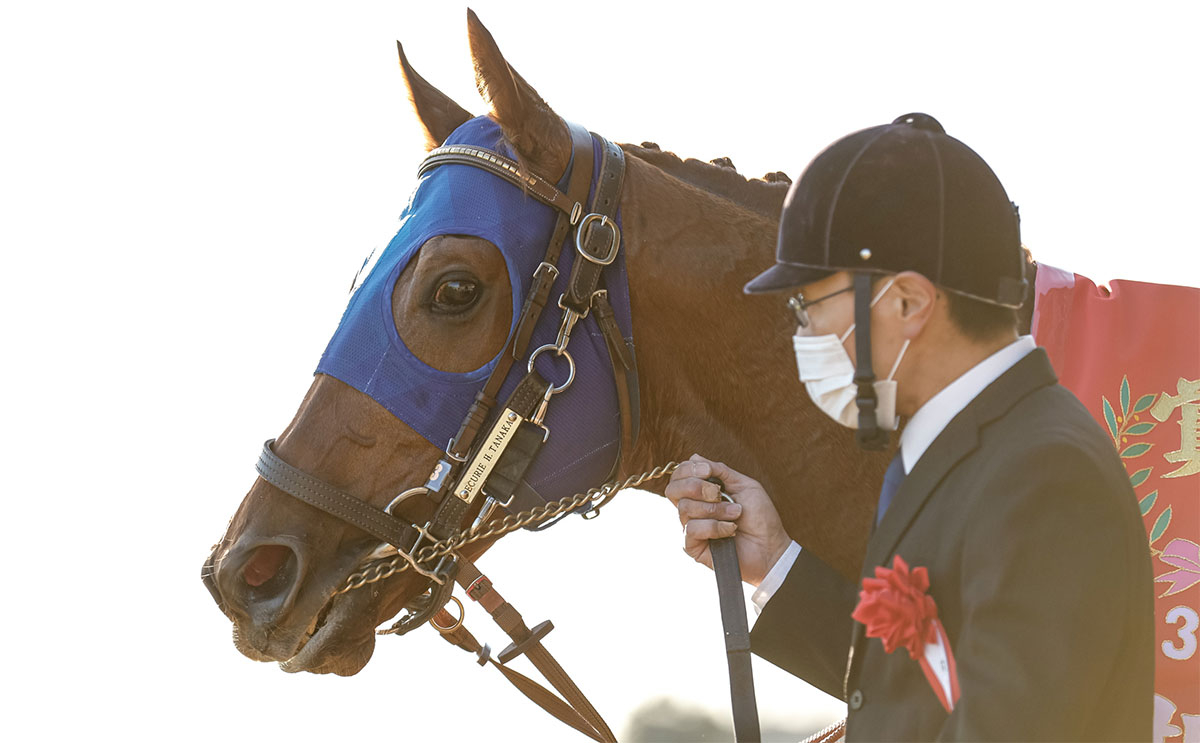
point(913, 299)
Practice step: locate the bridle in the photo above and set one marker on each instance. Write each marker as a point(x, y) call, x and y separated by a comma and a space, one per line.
point(484, 464)
point(496, 444)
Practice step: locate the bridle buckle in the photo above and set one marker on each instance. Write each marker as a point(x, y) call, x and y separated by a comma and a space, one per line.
point(613, 247)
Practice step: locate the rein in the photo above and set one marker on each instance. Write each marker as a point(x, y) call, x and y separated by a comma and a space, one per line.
point(737, 633)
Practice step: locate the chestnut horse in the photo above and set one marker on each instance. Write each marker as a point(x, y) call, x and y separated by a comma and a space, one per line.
point(693, 233)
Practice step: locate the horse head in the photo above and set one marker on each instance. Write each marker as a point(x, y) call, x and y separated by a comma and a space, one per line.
point(434, 315)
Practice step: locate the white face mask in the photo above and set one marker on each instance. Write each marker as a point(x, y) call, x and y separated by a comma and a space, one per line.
point(828, 375)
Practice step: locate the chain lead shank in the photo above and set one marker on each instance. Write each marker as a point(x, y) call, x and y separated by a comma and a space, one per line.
point(386, 568)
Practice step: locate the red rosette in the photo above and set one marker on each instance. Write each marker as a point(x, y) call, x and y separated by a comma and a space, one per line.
point(896, 607)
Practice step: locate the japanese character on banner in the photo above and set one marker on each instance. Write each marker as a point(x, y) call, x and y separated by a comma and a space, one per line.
point(1188, 401)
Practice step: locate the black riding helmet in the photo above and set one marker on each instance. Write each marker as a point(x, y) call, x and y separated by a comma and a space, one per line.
point(903, 196)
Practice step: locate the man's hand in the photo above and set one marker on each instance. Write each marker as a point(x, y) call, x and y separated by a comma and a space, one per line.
point(751, 519)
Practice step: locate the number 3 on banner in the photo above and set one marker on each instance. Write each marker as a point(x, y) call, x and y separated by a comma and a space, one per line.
point(1187, 633)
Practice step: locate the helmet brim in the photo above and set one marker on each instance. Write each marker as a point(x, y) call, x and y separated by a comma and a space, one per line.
point(784, 276)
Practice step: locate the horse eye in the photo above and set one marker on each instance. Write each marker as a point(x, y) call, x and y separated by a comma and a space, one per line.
point(455, 295)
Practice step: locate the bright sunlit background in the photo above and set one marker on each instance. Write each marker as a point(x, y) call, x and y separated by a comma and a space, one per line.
point(186, 190)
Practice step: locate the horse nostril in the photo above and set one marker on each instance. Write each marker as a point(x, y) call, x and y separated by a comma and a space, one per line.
point(264, 564)
point(260, 580)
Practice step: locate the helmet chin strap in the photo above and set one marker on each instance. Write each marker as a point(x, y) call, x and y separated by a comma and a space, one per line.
point(869, 435)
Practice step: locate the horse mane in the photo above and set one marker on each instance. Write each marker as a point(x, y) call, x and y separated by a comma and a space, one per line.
point(765, 196)
point(720, 178)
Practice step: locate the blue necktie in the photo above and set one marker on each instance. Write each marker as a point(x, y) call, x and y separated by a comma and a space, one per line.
point(891, 483)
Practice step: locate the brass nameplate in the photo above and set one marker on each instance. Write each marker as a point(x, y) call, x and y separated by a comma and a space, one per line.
point(485, 460)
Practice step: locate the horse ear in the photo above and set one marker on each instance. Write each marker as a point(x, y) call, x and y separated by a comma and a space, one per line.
point(537, 133)
point(439, 115)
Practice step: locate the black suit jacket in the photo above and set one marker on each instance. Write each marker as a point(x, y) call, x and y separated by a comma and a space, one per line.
point(1038, 560)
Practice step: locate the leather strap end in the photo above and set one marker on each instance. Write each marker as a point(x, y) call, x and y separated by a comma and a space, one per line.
point(474, 420)
point(539, 294)
point(459, 637)
point(607, 320)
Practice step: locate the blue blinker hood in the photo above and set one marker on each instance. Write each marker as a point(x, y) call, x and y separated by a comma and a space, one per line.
point(367, 353)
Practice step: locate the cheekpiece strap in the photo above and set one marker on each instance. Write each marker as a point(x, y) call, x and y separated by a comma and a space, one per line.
point(597, 240)
point(455, 505)
point(547, 272)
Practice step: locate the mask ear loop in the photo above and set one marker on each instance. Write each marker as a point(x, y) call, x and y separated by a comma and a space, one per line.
point(883, 291)
point(903, 348)
point(899, 356)
point(846, 335)
point(875, 301)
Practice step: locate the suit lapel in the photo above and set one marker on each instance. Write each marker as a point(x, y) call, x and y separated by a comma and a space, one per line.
point(955, 442)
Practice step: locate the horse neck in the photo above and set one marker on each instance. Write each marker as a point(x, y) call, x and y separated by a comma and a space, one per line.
point(698, 338)
point(717, 374)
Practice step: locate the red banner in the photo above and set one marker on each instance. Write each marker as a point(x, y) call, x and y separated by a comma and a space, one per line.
point(1132, 355)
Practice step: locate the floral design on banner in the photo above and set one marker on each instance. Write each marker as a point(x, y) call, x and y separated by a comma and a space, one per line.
point(895, 606)
point(1123, 425)
point(1184, 556)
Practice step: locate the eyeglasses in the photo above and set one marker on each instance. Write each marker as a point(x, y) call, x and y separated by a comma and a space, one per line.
point(799, 305)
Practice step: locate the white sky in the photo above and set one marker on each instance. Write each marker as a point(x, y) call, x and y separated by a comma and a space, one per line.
point(187, 189)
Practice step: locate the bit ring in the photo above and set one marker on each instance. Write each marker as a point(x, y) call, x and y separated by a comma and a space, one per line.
point(458, 623)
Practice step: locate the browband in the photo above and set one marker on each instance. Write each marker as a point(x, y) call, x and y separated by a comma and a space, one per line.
point(508, 169)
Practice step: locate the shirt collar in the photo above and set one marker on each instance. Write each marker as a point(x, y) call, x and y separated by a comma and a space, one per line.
point(939, 410)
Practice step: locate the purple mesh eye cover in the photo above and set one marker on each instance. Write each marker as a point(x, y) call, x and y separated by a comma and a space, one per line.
point(366, 351)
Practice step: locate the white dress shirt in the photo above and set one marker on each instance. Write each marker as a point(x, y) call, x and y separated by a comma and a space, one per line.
point(925, 426)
